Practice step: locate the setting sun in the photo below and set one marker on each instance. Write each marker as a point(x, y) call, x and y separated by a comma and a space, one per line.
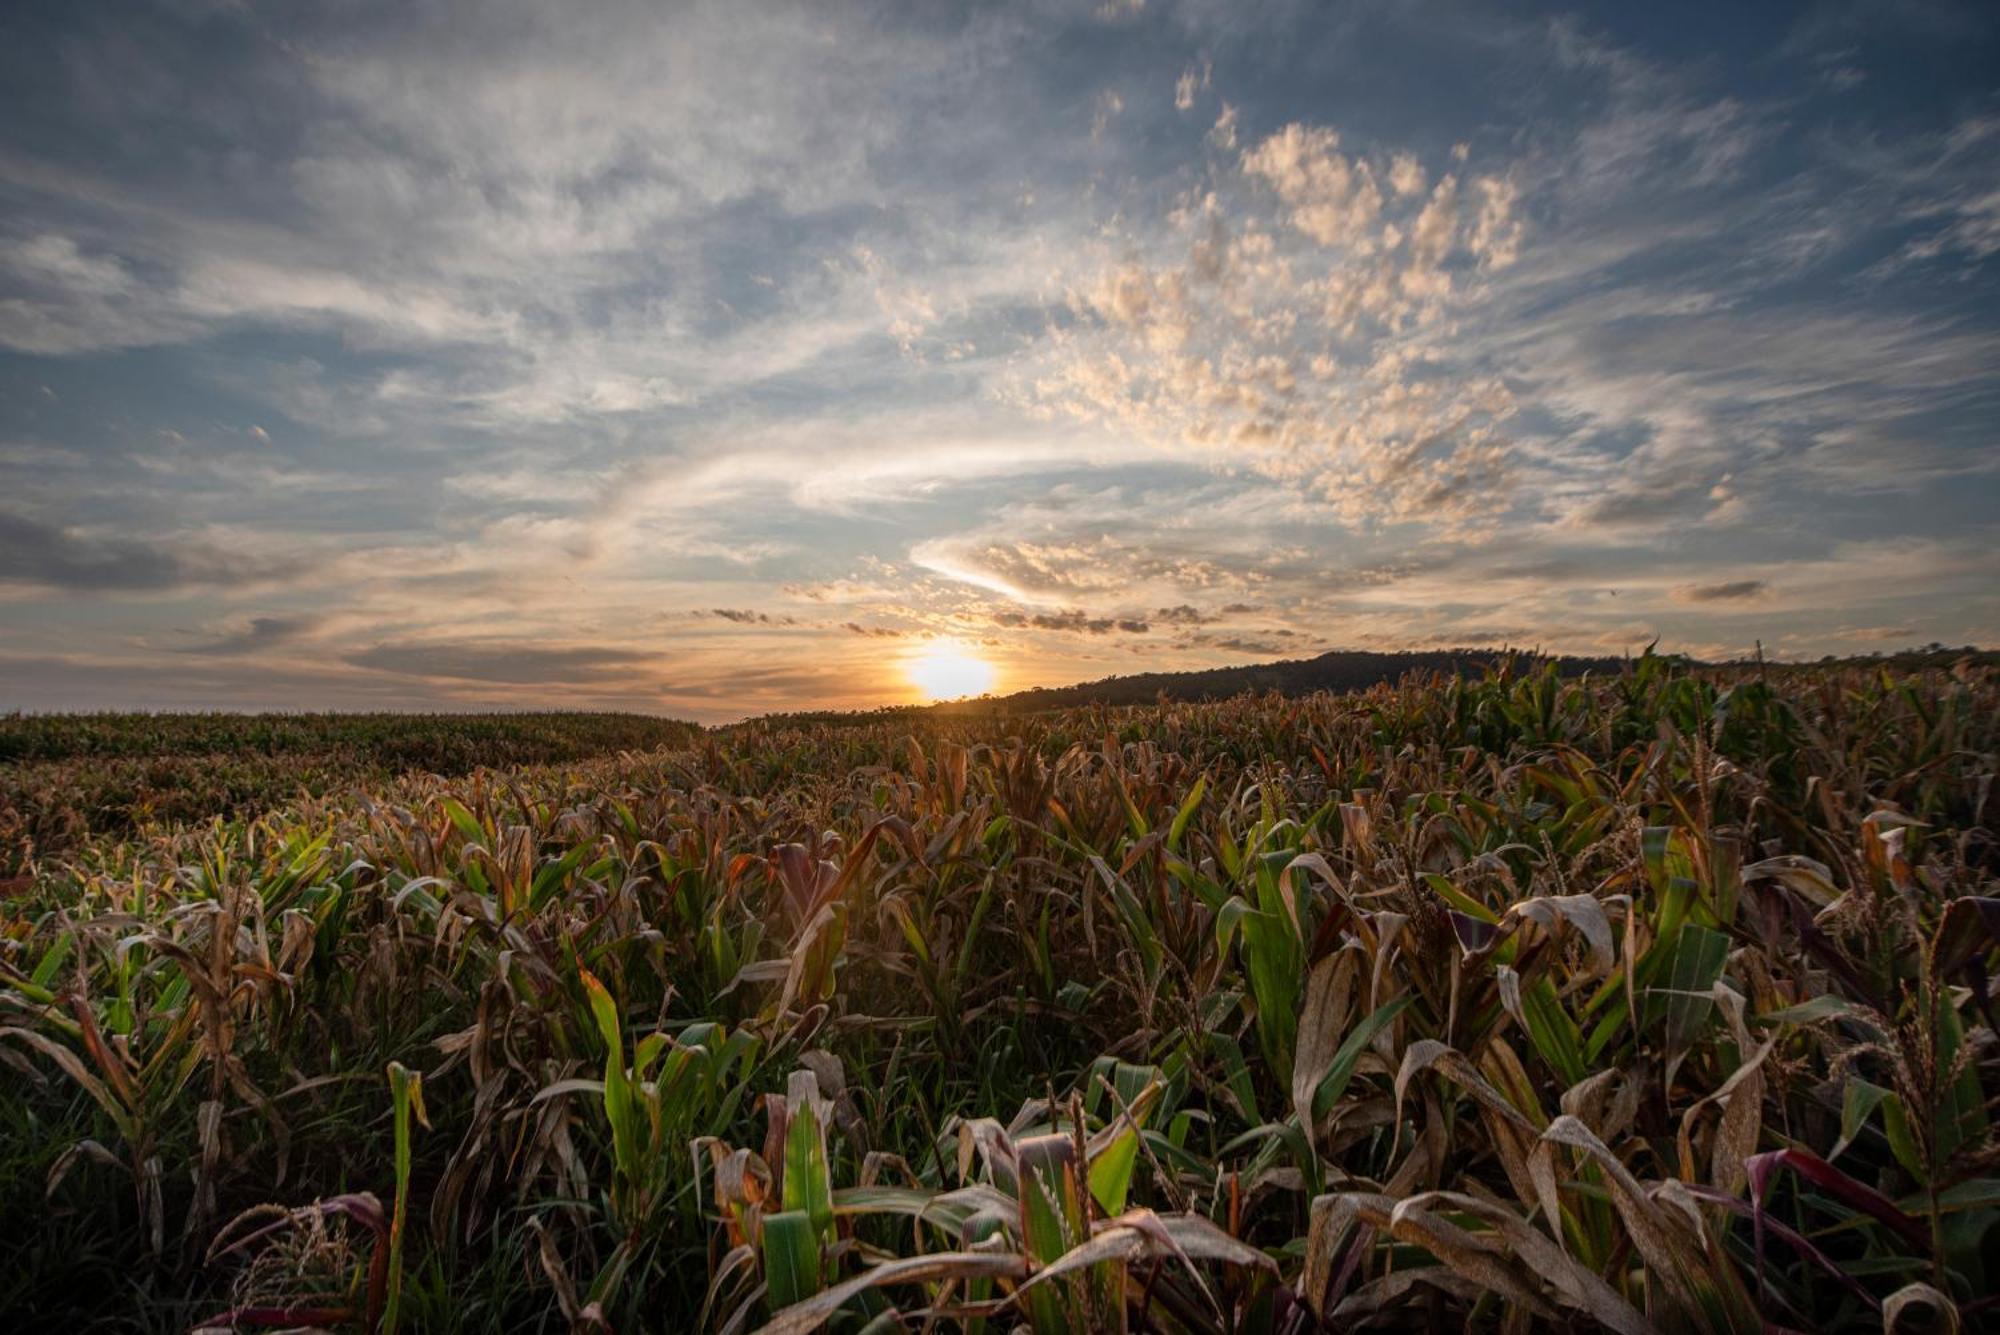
point(948, 670)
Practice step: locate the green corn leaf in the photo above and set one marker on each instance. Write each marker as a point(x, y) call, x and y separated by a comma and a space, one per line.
point(553, 874)
point(979, 1229)
point(51, 963)
point(1236, 1073)
point(1133, 816)
point(1229, 922)
point(646, 1053)
point(1137, 923)
point(1189, 805)
point(808, 1184)
point(406, 1094)
point(1552, 1031)
point(1348, 1057)
point(1902, 1142)
point(1231, 856)
point(1858, 1103)
point(1806, 1012)
point(1458, 899)
point(1272, 955)
point(1653, 841)
point(791, 1258)
point(467, 823)
point(1680, 994)
point(617, 1086)
point(963, 969)
point(1961, 1114)
point(1111, 1164)
point(1052, 1221)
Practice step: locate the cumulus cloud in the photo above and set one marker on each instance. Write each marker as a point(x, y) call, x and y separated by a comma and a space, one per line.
point(1072, 621)
point(1182, 614)
point(744, 616)
point(1191, 82)
point(1298, 331)
point(1328, 196)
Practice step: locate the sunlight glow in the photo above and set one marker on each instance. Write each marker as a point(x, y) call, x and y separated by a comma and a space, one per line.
point(949, 669)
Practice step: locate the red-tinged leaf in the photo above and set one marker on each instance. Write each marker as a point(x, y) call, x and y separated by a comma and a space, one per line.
point(276, 1318)
point(363, 1207)
point(900, 830)
point(1785, 1233)
point(1969, 929)
point(109, 1062)
point(798, 875)
point(1968, 932)
point(1326, 937)
point(1473, 935)
point(1761, 1168)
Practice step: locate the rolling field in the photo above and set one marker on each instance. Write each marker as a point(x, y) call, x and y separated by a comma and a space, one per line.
point(65, 778)
point(1654, 1000)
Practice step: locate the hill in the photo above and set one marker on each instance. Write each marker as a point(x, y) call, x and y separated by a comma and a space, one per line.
point(1344, 670)
point(1339, 671)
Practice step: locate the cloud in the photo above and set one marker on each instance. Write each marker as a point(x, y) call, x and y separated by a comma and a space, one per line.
point(744, 616)
point(1652, 127)
point(1109, 106)
point(60, 299)
point(1083, 563)
point(1183, 614)
point(1330, 197)
point(1882, 634)
point(514, 664)
point(551, 321)
point(1263, 646)
point(1729, 591)
point(46, 556)
point(58, 262)
point(1191, 82)
point(1073, 621)
point(259, 634)
point(1303, 340)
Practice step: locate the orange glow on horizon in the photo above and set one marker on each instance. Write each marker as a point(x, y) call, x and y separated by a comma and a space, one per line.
point(949, 670)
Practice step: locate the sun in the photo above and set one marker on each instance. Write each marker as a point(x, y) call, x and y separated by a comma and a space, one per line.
point(949, 669)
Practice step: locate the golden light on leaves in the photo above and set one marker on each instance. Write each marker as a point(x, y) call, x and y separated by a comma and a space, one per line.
point(947, 670)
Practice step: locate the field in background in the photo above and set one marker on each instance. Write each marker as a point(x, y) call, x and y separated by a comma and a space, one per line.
point(67, 777)
point(1652, 1000)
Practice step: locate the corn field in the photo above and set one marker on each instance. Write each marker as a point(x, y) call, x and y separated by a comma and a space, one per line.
point(1650, 1001)
point(66, 778)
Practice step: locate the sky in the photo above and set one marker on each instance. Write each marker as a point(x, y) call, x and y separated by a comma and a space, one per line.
point(713, 360)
